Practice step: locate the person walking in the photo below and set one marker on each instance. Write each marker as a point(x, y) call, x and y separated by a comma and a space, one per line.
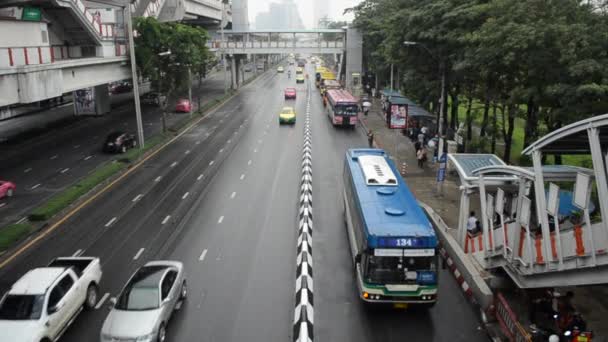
point(472, 221)
point(421, 156)
point(370, 138)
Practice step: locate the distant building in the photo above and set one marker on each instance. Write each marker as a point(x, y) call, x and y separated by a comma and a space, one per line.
point(283, 15)
point(320, 13)
point(240, 15)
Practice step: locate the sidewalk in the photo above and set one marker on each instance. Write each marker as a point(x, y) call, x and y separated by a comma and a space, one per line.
point(591, 301)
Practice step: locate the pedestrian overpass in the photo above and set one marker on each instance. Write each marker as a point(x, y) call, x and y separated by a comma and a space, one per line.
point(545, 225)
point(322, 41)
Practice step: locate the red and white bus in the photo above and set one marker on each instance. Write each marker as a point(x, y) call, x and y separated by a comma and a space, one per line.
point(342, 107)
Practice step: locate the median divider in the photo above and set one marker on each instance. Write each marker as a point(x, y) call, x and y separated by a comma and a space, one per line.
point(46, 217)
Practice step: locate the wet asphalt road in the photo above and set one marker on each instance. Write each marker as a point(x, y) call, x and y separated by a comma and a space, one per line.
point(223, 199)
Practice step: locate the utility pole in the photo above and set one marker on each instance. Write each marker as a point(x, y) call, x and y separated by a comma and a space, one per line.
point(391, 76)
point(222, 46)
point(441, 110)
point(140, 126)
point(190, 88)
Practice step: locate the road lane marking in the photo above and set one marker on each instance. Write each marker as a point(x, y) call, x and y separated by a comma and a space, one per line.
point(65, 170)
point(221, 120)
point(137, 198)
point(76, 146)
point(173, 164)
point(141, 250)
point(200, 177)
point(75, 210)
point(88, 157)
point(166, 219)
point(111, 221)
point(185, 195)
point(102, 300)
point(221, 150)
point(22, 220)
point(229, 141)
point(27, 170)
point(35, 186)
point(198, 142)
point(2, 205)
point(249, 162)
point(220, 220)
point(211, 162)
point(259, 141)
point(77, 253)
point(202, 257)
point(208, 134)
point(233, 194)
point(235, 132)
point(54, 157)
point(214, 127)
point(187, 152)
point(158, 179)
point(242, 176)
point(255, 150)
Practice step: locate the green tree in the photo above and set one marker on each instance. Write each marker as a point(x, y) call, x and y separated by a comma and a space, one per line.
point(167, 52)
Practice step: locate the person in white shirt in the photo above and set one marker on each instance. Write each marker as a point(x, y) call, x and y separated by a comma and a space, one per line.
point(472, 224)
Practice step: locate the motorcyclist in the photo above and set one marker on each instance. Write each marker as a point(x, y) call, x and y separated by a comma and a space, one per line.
point(288, 73)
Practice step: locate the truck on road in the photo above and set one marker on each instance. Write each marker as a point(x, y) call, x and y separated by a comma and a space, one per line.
point(45, 301)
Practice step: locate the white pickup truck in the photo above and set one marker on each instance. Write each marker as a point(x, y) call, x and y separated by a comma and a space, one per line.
point(43, 303)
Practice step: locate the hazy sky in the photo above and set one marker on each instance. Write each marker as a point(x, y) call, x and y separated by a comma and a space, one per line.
point(336, 8)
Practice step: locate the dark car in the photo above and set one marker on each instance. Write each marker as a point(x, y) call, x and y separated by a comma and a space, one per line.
point(121, 87)
point(119, 142)
point(154, 98)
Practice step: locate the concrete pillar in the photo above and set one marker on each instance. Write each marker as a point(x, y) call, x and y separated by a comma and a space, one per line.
point(233, 73)
point(102, 99)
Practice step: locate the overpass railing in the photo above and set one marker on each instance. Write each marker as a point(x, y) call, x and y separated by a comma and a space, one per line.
point(217, 44)
point(18, 56)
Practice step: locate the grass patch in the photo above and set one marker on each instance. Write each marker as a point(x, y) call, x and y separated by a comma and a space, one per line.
point(13, 233)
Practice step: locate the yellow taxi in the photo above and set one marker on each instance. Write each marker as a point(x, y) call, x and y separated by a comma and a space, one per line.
point(287, 115)
point(299, 70)
point(300, 78)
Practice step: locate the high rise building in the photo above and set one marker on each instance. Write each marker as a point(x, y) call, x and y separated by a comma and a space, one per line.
point(320, 13)
point(240, 15)
point(283, 15)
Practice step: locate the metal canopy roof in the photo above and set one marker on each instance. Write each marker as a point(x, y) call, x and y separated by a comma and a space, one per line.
point(554, 173)
point(467, 163)
point(572, 139)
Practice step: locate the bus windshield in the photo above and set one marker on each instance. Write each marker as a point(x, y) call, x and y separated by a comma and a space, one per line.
point(396, 270)
point(346, 110)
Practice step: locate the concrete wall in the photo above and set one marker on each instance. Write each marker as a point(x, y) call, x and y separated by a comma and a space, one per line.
point(16, 33)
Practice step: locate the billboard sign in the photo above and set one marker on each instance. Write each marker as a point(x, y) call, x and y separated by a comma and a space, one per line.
point(398, 116)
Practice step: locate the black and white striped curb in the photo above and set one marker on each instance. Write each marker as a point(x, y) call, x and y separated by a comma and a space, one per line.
point(304, 312)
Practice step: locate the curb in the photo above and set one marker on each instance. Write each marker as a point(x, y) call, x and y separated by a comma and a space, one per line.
point(303, 321)
point(459, 278)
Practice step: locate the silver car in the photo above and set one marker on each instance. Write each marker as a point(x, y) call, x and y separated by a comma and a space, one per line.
point(146, 303)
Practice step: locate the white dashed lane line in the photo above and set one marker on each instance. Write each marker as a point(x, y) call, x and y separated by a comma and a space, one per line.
point(221, 150)
point(249, 162)
point(139, 253)
point(27, 170)
point(158, 179)
point(22, 220)
point(77, 253)
point(166, 219)
point(35, 186)
point(102, 300)
point(242, 176)
point(200, 177)
point(220, 220)
point(173, 164)
point(65, 170)
point(88, 157)
point(198, 142)
point(202, 257)
point(137, 198)
point(229, 141)
point(112, 220)
point(255, 150)
point(233, 195)
point(211, 162)
point(185, 195)
point(76, 146)
point(2, 205)
point(54, 157)
point(187, 152)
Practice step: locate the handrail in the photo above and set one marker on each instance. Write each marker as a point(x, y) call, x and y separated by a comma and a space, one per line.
point(153, 9)
point(105, 31)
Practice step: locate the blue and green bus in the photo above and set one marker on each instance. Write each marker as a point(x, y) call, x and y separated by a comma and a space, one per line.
point(392, 241)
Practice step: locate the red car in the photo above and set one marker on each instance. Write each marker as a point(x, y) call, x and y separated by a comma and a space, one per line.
point(7, 189)
point(290, 93)
point(183, 106)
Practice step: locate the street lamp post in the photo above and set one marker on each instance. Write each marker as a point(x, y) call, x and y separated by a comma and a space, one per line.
point(222, 24)
point(140, 126)
point(442, 101)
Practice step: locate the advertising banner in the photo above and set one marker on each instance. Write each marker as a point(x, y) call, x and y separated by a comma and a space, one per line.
point(398, 116)
point(84, 101)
